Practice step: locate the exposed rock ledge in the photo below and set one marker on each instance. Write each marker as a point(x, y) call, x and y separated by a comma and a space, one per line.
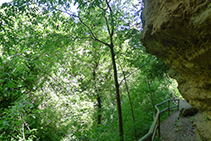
point(179, 32)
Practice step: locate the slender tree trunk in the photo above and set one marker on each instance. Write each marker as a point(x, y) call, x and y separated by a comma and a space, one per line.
point(111, 46)
point(151, 95)
point(99, 105)
point(99, 115)
point(117, 94)
point(131, 104)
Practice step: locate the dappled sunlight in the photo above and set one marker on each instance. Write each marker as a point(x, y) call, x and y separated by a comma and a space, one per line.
point(77, 73)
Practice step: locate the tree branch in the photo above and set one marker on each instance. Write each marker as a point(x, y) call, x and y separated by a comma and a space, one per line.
point(133, 72)
point(72, 15)
point(92, 32)
point(108, 28)
point(112, 20)
point(102, 8)
point(104, 11)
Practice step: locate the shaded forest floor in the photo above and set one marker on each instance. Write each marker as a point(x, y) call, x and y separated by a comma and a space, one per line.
point(178, 129)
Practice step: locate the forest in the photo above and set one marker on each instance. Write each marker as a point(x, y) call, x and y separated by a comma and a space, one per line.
point(76, 70)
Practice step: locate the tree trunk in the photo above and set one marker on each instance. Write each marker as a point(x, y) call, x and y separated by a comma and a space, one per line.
point(99, 105)
point(99, 114)
point(117, 94)
point(131, 104)
point(151, 95)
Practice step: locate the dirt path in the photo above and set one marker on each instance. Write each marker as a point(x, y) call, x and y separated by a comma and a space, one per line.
point(178, 129)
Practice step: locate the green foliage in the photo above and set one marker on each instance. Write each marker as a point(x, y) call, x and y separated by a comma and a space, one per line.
point(156, 68)
point(57, 77)
point(14, 125)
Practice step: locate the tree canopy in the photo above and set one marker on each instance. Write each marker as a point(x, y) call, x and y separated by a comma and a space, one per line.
point(76, 70)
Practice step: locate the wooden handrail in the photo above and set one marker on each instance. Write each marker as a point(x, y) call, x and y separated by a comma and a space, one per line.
point(156, 122)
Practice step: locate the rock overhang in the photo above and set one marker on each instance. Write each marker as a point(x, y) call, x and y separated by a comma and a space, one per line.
point(179, 32)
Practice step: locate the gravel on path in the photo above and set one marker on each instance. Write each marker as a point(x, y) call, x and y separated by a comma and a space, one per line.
point(178, 129)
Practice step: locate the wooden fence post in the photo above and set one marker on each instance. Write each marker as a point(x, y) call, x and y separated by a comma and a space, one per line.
point(159, 126)
point(156, 122)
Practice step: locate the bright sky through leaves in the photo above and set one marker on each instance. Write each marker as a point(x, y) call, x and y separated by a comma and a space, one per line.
point(3, 1)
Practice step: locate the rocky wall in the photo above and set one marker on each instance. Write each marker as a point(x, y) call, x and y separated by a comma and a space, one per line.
point(179, 32)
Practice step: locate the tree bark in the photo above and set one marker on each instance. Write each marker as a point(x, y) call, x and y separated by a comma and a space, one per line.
point(99, 115)
point(99, 105)
point(131, 104)
point(151, 95)
point(117, 94)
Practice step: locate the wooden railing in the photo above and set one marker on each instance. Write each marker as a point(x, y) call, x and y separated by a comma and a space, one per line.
point(150, 136)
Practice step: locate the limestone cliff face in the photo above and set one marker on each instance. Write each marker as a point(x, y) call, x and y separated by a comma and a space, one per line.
point(179, 32)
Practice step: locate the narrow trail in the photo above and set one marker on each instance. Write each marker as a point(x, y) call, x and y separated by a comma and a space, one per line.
point(178, 129)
